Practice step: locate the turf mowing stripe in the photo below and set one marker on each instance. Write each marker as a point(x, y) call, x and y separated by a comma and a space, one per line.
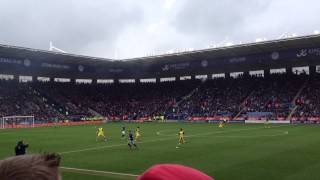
point(247, 129)
point(110, 146)
point(256, 136)
point(5, 133)
point(99, 173)
point(279, 133)
point(164, 139)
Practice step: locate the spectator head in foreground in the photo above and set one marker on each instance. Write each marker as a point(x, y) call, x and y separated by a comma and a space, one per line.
point(30, 167)
point(173, 172)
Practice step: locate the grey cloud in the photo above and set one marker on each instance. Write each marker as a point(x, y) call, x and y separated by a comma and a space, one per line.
point(134, 28)
point(71, 24)
point(245, 20)
point(216, 19)
point(285, 16)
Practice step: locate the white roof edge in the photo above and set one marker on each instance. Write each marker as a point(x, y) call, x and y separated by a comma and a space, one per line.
point(163, 55)
point(223, 48)
point(54, 52)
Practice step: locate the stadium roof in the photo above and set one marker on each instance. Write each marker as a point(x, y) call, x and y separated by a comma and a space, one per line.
point(58, 57)
point(238, 50)
point(215, 60)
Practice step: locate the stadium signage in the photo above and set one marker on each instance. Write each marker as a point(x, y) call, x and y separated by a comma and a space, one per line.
point(81, 68)
point(56, 66)
point(178, 66)
point(115, 70)
point(204, 63)
point(275, 55)
point(237, 60)
point(264, 121)
point(25, 62)
point(10, 61)
point(305, 52)
point(318, 69)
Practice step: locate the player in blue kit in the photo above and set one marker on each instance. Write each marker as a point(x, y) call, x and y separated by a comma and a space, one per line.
point(131, 142)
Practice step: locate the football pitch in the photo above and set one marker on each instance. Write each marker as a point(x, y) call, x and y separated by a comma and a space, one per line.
point(236, 152)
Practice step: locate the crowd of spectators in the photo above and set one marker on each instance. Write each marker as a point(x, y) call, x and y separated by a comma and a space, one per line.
point(68, 98)
point(20, 99)
point(120, 101)
point(216, 98)
point(308, 103)
point(274, 96)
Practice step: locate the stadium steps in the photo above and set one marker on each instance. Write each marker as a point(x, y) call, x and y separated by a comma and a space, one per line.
point(295, 98)
point(49, 101)
point(93, 112)
point(242, 105)
point(184, 98)
point(188, 96)
point(292, 112)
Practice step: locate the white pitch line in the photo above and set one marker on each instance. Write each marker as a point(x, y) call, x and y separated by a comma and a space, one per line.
point(219, 132)
point(286, 132)
point(255, 136)
point(98, 172)
point(5, 133)
point(164, 139)
point(242, 136)
point(110, 146)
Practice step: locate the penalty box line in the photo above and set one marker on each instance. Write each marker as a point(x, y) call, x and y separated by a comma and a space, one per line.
point(164, 139)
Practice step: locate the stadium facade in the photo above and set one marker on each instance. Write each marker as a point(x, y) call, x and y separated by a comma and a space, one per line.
point(286, 53)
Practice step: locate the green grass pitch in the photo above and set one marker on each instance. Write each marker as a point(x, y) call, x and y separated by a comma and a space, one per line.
point(236, 152)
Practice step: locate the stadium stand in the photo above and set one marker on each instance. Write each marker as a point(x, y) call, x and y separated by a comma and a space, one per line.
point(20, 99)
point(246, 97)
point(210, 90)
point(121, 101)
point(307, 103)
point(272, 96)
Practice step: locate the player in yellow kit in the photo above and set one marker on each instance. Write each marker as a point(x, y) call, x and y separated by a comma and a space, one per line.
point(138, 135)
point(181, 136)
point(267, 124)
point(223, 123)
point(100, 133)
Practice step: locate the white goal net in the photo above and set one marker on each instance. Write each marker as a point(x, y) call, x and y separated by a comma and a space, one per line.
point(17, 122)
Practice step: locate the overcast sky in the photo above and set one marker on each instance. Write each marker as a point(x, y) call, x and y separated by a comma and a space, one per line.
point(133, 28)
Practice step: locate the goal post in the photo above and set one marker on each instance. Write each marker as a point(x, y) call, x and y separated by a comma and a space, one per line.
point(17, 122)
